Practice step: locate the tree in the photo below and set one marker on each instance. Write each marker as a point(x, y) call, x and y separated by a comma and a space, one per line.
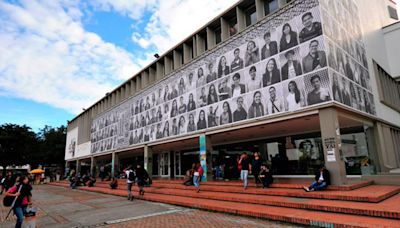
point(52, 145)
point(17, 144)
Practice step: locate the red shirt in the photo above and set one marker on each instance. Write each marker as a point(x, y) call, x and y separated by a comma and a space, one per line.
point(14, 190)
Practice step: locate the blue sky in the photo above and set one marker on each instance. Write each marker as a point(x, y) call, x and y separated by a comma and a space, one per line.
point(58, 57)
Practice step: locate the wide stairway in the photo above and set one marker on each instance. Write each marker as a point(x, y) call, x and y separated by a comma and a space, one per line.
point(359, 204)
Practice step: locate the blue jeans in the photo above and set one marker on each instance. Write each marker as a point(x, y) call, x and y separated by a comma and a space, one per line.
point(129, 188)
point(243, 175)
point(318, 186)
point(196, 181)
point(19, 212)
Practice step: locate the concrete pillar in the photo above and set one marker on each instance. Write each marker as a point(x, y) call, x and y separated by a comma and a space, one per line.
point(78, 166)
point(211, 42)
point(117, 97)
point(93, 166)
point(194, 45)
point(187, 53)
point(114, 164)
point(159, 71)
point(260, 9)
point(241, 19)
point(168, 65)
point(145, 79)
point(138, 83)
point(224, 29)
point(133, 86)
point(177, 59)
point(152, 75)
point(330, 133)
point(205, 156)
point(200, 45)
point(148, 160)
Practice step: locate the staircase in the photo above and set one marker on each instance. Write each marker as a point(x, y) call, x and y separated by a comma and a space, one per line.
point(360, 204)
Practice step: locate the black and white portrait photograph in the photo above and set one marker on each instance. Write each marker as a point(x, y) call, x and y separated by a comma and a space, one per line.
point(337, 89)
point(294, 94)
point(238, 84)
point(181, 86)
point(239, 108)
point(317, 87)
point(274, 99)
point(166, 129)
point(269, 44)
point(340, 61)
point(361, 104)
point(201, 78)
point(166, 110)
point(191, 80)
point(288, 35)
point(224, 89)
point(212, 95)
point(253, 77)
point(182, 124)
point(238, 59)
point(270, 72)
point(290, 62)
point(182, 104)
point(191, 122)
point(201, 119)
point(331, 55)
point(212, 116)
point(327, 26)
point(211, 72)
point(349, 67)
point(354, 94)
point(174, 108)
point(191, 101)
point(254, 101)
point(314, 56)
point(311, 25)
point(225, 112)
point(160, 95)
point(252, 54)
point(174, 126)
point(223, 68)
point(202, 96)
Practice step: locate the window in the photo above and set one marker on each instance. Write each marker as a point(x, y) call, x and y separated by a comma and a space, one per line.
point(233, 26)
point(251, 16)
point(388, 87)
point(393, 13)
point(271, 6)
point(218, 38)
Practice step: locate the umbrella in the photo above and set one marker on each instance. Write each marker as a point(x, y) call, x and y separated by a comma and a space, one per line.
point(37, 171)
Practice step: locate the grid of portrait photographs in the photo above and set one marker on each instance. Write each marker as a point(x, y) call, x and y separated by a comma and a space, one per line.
point(346, 55)
point(283, 70)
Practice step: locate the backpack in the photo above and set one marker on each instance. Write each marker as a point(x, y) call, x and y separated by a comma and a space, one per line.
point(131, 176)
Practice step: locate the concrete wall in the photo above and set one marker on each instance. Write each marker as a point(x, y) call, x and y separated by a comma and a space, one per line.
point(392, 40)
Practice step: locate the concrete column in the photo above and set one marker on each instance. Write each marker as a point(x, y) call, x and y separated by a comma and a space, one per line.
point(260, 9)
point(138, 83)
point(330, 132)
point(78, 166)
point(133, 86)
point(187, 53)
point(200, 44)
point(194, 45)
point(205, 156)
point(211, 42)
point(159, 71)
point(117, 97)
point(168, 65)
point(93, 165)
point(241, 19)
point(114, 164)
point(224, 29)
point(177, 59)
point(148, 160)
point(127, 89)
point(145, 79)
point(152, 75)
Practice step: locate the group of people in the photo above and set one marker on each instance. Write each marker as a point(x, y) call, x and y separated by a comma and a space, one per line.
point(255, 166)
point(138, 176)
point(76, 179)
point(18, 187)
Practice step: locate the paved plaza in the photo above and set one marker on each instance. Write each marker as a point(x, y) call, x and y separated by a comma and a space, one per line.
point(61, 207)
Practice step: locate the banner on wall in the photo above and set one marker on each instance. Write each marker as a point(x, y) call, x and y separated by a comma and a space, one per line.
point(279, 66)
point(203, 156)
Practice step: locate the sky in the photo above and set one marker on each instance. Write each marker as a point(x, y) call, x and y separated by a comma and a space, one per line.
point(58, 57)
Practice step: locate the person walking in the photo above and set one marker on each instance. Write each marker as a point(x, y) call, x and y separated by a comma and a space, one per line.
point(256, 167)
point(22, 190)
point(244, 173)
point(197, 175)
point(141, 178)
point(130, 180)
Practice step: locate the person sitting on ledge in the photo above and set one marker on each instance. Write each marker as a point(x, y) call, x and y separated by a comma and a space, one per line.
point(322, 180)
point(114, 183)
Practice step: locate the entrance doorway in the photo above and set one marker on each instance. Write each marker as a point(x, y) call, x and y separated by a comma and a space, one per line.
point(164, 161)
point(177, 159)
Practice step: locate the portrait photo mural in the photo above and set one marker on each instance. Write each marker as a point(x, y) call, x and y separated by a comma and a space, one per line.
point(279, 66)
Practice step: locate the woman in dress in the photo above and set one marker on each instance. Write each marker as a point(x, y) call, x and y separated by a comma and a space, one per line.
point(289, 38)
point(256, 109)
point(202, 124)
point(212, 95)
point(181, 125)
point(191, 104)
point(166, 129)
point(223, 68)
point(201, 79)
point(272, 74)
point(252, 54)
point(294, 99)
point(174, 109)
point(191, 125)
point(226, 116)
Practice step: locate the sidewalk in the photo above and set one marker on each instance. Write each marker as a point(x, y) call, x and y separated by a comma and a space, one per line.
point(62, 207)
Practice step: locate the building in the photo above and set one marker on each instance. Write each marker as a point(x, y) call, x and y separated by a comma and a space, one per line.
point(304, 83)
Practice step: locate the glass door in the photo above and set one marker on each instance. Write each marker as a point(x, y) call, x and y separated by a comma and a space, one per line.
point(177, 156)
point(164, 164)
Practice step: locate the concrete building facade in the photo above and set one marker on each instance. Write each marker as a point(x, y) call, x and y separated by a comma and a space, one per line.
point(304, 83)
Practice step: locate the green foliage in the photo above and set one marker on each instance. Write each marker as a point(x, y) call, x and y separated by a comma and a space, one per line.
point(19, 145)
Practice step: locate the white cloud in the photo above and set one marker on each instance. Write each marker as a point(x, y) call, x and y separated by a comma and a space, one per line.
point(48, 57)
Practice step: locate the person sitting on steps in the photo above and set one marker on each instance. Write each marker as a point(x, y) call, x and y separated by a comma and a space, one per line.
point(322, 180)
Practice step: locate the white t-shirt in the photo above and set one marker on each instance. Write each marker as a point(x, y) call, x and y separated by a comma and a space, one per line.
point(321, 177)
point(127, 176)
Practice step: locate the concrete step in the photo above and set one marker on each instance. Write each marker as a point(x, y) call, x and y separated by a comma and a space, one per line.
point(292, 215)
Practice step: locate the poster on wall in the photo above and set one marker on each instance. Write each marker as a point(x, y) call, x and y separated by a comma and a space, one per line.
point(283, 65)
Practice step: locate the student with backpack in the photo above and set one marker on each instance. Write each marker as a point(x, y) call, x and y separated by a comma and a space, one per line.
point(20, 194)
point(141, 178)
point(130, 180)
